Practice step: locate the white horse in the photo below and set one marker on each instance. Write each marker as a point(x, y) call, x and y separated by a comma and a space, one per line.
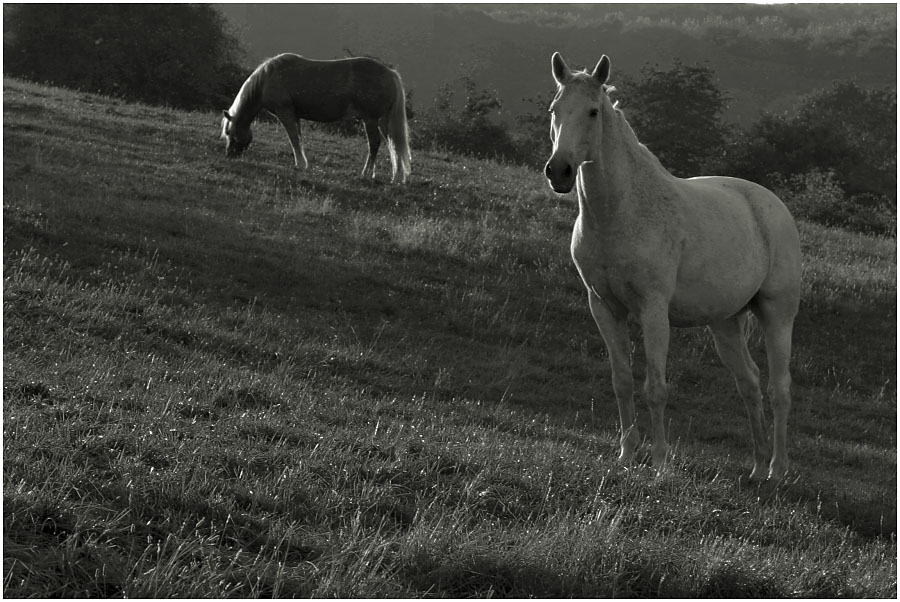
point(701, 251)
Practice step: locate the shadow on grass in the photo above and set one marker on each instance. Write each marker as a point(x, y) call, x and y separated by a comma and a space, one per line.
point(229, 267)
point(872, 519)
point(637, 575)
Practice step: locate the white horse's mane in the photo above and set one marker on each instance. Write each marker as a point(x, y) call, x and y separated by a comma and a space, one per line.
point(607, 88)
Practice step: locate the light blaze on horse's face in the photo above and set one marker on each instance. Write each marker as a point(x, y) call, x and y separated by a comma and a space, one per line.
point(575, 120)
point(236, 140)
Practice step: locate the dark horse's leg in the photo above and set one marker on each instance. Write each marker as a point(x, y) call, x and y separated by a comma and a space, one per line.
point(374, 136)
point(292, 127)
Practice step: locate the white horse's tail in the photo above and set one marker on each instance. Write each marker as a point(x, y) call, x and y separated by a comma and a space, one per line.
point(398, 132)
point(750, 327)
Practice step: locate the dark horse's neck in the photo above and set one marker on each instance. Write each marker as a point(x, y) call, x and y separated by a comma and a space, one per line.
point(618, 185)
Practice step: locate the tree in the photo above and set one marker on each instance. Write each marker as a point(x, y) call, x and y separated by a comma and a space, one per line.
point(866, 123)
point(479, 103)
point(532, 132)
point(677, 113)
point(832, 159)
point(180, 55)
point(469, 129)
point(845, 130)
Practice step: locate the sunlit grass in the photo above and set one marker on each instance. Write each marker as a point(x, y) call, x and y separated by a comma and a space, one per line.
point(231, 379)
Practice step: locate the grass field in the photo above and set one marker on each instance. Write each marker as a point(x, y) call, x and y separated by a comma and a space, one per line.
point(230, 379)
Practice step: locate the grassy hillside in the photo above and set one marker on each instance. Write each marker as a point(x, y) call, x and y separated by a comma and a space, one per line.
point(228, 378)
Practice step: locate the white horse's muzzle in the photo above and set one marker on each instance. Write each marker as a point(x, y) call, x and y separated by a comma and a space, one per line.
point(561, 174)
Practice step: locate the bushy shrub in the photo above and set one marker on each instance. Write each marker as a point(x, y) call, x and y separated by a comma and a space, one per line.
point(472, 129)
point(846, 130)
point(477, 137)
point(817, 196)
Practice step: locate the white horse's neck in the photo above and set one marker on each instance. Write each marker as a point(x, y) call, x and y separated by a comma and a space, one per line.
point(621, 182)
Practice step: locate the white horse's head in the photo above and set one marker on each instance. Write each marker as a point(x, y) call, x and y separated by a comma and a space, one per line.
point(576, 118)
point(237, 139)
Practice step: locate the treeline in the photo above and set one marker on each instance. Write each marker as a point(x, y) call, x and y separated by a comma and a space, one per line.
point(179, 55)
point(832, 157)
point(843, 28)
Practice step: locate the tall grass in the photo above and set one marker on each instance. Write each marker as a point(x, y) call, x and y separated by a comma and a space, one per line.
point(231, 379)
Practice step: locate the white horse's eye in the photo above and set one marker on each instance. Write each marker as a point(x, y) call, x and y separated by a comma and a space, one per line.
point(594, 112)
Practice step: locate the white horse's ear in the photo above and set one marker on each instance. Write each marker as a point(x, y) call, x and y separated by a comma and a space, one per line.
point(601, 71)
point(561, 71)
point(227, 116)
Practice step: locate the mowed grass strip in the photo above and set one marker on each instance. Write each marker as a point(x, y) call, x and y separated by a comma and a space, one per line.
point(228, 378)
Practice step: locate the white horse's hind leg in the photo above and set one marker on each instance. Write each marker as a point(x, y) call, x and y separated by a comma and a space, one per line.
point(731, 345)
point(777, 323)
point(614, 331)
point(655, 324)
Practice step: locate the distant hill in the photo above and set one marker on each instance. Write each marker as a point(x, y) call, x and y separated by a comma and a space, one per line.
point(765, 56)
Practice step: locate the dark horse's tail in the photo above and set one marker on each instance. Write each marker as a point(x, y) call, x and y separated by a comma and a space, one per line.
point(398, 131)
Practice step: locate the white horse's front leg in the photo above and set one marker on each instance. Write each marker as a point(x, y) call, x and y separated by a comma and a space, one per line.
point(655, 323)
point(614, 330)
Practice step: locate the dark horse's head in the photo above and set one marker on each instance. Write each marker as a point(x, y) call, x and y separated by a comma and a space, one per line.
point(237, 139)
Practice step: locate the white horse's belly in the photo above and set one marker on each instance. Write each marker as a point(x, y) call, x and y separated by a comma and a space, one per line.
point(696, 308)
point(717, 287)
point(697, 293)
point(707, 266)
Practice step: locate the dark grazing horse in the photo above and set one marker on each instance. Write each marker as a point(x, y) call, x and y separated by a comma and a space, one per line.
point(292, 88)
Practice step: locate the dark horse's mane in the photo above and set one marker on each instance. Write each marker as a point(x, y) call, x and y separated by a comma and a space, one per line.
point(251, 88)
